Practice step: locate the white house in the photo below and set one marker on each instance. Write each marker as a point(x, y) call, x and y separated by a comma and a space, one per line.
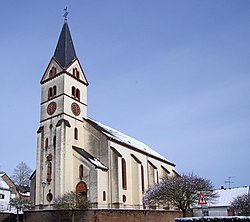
point(77, 153)
point(7, 191)
point(221, 206)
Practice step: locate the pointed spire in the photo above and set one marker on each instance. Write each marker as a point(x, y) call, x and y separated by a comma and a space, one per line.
point(65, 51)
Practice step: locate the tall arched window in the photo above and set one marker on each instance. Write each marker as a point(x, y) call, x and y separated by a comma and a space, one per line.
point(78, 94)
point(124, 175)
point(76, 134)
point(52, 72)
point(50, 93)
point(142, 180)
point(46, 143)
point(49, 172)
point(104, 195)
point(76, 73)
point(54, 90)
point(81, 171)
point(73, 91)
point(54, 142)
point(157, 176)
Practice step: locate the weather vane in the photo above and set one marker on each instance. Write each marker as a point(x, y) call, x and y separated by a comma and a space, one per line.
point(65, 14)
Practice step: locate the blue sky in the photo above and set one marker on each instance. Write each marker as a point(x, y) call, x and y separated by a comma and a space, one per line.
point(173, 74)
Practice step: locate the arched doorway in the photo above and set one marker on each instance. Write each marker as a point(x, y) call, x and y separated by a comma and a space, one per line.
point(81, 187)
point(81, 191)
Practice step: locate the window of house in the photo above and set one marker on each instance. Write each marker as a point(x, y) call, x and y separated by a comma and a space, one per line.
point(142, 180)
point(81, 171)
point(76, 134)
point(124, 175)
point(1, 196)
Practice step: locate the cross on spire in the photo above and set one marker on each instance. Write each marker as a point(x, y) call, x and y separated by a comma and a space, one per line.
point(65, 14)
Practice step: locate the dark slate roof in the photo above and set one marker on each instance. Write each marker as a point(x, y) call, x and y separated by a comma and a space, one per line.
point(65, 51)
point(66, 123)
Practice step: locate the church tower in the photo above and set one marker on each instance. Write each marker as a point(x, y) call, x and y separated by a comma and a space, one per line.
point(63, 108)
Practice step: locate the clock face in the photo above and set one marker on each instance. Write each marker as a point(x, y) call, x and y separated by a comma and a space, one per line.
point(51, 108)
point(75, 109)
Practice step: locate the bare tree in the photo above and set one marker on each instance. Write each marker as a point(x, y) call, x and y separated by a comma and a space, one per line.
point(180, 192)
point(71, 200)
point(241, 204)
point(21, 174)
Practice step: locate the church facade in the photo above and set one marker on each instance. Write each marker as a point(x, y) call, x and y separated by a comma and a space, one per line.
point(77, 153)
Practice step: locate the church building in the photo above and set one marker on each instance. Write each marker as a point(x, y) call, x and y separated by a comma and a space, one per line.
point(77, 153)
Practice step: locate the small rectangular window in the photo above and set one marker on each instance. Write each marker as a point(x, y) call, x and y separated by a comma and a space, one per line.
point(1, 196)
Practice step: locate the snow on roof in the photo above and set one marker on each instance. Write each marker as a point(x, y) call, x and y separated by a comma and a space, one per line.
point(97, 163)
point(90, 158)
point(121, 137)
point(3, 184)
point(226, 196)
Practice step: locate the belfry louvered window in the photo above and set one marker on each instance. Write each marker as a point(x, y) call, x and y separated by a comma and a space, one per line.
point(75, 93)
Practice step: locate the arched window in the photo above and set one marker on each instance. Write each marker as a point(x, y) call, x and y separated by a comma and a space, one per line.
point(52, 72)
point(124, 175)
point(78, 94)
point(124, 198)
point(142, 180)
point(73, 91)
point(49, 172)
point(76, 134)
point(104, 195)
point(46, 143)
point(54, 142)
point(54, 90)
point(76, 73)
point(50, 93)
point(157, 176)
point(81, 171)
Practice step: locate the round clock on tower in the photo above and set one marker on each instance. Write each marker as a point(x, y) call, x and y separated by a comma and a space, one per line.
point(51, 108)
point(75, 109)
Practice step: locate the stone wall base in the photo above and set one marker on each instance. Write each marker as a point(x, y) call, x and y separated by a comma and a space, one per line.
point(101, 215)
